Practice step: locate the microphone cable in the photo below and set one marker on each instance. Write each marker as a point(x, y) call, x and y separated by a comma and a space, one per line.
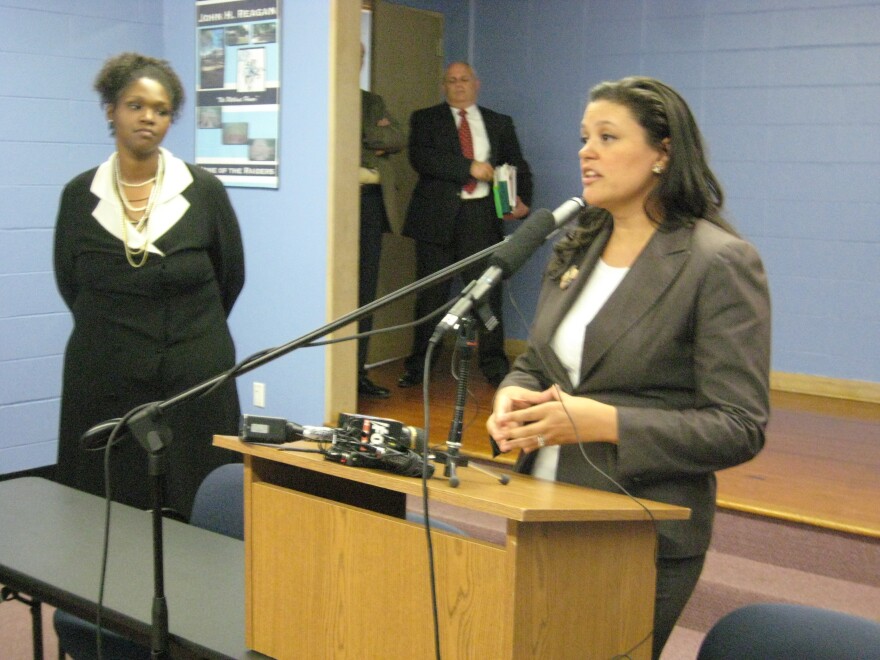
point(432, 577)
point(379, 331)
point(118, 430)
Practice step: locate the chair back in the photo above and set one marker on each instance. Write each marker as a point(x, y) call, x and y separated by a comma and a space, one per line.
point(219, 502)
point(777, 631)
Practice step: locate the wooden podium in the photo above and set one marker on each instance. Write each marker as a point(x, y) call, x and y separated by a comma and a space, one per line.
point(333, 570)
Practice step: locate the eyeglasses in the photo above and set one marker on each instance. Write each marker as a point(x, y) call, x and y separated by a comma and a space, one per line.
point(453, 81)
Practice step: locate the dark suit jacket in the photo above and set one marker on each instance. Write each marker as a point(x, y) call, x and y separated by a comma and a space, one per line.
point(682, 348)
point(435, 154)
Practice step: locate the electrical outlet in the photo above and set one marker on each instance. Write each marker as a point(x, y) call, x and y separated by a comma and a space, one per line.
point(260, 395)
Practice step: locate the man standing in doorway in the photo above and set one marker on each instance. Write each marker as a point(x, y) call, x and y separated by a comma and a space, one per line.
point(380, 137)
point(454, 147)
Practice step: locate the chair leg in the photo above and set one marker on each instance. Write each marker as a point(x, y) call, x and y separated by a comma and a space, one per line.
point(37, 627)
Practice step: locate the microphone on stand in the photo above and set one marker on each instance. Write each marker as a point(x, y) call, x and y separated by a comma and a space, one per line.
point(523, 243)
point(509, 258)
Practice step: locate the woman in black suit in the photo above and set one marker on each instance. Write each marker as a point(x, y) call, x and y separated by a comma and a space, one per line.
point(149, 259)
point(647, 367)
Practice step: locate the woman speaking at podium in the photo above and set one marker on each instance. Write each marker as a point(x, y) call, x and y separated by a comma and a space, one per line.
point(149, 259)
point(647, 367)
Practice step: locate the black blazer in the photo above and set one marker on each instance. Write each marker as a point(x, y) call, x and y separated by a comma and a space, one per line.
point(435, 154)
point(682, 349)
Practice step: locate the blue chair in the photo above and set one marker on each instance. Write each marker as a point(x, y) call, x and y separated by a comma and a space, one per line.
point(776, 631)
point(219, 502)
point(219, 507)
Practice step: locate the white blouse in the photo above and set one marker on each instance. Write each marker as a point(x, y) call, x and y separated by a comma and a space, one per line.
point(568, 343)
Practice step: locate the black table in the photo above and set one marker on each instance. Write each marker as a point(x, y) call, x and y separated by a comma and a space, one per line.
point(50, 549)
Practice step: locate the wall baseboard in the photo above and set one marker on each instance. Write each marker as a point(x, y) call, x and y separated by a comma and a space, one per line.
point(832, 388)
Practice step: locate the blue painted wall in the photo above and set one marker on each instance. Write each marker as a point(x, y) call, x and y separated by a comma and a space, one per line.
point(284, 230)
point(786, 92)
point(52, 127)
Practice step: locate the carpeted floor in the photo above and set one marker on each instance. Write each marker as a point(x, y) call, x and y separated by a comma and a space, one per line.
point(754, 559)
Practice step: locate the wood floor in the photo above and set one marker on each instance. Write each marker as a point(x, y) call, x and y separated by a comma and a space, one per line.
point(820, 464)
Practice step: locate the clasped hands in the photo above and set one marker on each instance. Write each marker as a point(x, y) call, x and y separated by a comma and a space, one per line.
point(527, 420)
point(482, 171)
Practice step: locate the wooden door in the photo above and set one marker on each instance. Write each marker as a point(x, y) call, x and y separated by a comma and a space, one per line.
point(406, 68)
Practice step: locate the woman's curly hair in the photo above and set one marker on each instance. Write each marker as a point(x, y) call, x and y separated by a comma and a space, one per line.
point(686, 190)
point(121, 70)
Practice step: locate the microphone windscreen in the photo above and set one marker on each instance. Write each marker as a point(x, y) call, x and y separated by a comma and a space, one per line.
point(523, 243)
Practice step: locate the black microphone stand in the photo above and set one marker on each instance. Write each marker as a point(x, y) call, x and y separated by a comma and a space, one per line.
point(154, 436)
point(467, 340)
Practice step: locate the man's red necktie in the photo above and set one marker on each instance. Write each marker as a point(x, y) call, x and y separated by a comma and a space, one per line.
point(467, 147)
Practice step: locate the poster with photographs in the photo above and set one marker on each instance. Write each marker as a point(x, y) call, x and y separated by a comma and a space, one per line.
point(237, 95)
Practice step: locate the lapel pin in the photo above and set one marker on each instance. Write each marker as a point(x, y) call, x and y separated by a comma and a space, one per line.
point(568, 277)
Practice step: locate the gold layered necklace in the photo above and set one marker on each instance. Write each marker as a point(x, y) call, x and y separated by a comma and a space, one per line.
point(137, 257)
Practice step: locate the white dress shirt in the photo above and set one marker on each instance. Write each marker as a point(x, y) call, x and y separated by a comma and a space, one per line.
point(482, 149)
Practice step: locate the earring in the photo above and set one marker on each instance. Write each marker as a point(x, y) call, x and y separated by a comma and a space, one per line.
point(657, 169)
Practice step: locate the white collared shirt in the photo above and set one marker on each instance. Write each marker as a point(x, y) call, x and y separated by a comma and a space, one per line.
point(169, 208)
point(482, 148)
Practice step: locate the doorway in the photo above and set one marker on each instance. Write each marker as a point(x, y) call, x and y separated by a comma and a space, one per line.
point(406, 66)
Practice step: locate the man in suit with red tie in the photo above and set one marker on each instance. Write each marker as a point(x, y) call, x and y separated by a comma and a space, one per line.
point(454, 147)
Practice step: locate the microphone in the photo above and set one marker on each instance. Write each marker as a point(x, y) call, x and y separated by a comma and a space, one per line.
point(376, 442)
point(522, 244)
point(360, 441)
point(509, 258)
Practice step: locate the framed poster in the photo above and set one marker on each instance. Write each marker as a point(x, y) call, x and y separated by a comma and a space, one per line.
point(237, 90)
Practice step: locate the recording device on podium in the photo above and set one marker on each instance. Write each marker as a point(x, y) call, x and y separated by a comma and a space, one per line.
point(357, 440)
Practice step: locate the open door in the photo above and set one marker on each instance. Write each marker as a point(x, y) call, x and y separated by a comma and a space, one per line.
point(406, 67)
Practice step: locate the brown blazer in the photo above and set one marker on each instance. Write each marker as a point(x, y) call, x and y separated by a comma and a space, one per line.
point(682, 349)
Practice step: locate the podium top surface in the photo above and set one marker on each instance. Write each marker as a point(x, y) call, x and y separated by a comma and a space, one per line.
point(523, 499)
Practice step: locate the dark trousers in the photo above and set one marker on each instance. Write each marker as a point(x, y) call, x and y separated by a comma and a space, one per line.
point(374, 221)
point(476, 228)
point(676, 581)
